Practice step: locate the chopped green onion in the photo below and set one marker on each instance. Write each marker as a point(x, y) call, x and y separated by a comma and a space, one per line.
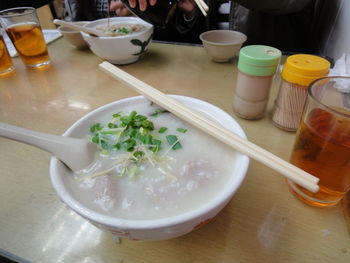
point(182, 130)
point(129, 144)
point(133, 133)
point(112, 125)
point(116, 115)
point(162, 129)
point(104, 145)
point(156, 145)
point(96, 127)
point(148, 139)
point(147, 124)
point(123, 30)
point(132, 115)
point(157, 112)
point(138, 154)
point(96, 138)
point(174, 142)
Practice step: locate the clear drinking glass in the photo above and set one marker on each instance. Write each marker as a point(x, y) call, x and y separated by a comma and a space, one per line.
point(322, 145)
point(6, 65)
point(23, 28)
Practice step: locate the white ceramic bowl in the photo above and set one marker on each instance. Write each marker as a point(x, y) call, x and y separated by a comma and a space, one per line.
point(74, 37)
point(158, 229)
point(222, 45)
point(120, 49)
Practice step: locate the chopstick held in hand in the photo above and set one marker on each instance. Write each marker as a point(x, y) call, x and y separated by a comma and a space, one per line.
point(202, 6)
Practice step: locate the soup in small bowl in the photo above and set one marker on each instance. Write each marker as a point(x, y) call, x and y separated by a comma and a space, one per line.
point(168, 178)
point(127, 39)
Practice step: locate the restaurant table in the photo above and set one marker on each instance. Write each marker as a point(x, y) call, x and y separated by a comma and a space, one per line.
point(263, 222)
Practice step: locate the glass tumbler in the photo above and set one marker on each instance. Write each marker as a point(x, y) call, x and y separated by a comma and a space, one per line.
point(23, 28)
point(322, 145)
point(6, 65)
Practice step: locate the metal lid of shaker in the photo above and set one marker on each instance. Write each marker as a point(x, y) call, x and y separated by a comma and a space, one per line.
point(259, 60)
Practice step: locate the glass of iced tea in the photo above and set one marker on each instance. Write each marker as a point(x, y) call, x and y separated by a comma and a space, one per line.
point(23, 28)
point(322, 145)
point(6, 65)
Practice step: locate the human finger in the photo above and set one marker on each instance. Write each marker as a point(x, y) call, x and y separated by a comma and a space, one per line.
point(187, 6)
point(132, 3)
point(123, 12)
point(114, 5)
point(152, 2)
point(142, 5)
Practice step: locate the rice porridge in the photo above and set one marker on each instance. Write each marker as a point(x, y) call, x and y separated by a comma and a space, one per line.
point(161, 168)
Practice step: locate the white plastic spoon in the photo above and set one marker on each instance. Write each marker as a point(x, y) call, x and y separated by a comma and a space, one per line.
point(77, 154)
point(74, 26)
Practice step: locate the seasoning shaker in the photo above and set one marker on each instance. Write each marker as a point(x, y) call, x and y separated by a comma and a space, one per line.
point(257, 65)
point(297, 73)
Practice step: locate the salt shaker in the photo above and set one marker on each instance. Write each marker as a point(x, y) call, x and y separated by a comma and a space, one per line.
point(297, 73)
point(257, 65)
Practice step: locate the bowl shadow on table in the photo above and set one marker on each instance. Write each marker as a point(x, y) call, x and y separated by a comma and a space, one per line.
point(152, 56)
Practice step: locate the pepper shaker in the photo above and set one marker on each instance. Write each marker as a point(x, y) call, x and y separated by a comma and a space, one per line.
point(257, 65)
point(298, 72)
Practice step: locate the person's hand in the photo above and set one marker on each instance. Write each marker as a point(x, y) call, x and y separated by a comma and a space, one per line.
point(188, 7)
point(142, 3)
point(119, 8)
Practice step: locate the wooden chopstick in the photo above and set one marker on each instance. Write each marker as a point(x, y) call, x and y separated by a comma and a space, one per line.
point(240, 144)
point(202, 6)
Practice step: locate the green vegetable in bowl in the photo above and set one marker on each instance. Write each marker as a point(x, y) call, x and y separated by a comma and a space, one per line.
point(131, 140)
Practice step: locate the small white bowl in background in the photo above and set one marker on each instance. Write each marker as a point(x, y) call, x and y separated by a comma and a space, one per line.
point(73, 36)
point(150, 229)
point(123, 49)
point(222, 45)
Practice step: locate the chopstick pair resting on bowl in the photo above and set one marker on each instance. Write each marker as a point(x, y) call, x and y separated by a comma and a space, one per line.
point(244, 146)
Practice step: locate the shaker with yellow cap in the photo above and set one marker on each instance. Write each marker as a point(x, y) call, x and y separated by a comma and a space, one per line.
point(298, 72)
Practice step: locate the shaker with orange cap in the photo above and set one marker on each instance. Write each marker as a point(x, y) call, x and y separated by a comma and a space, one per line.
point(298, 72)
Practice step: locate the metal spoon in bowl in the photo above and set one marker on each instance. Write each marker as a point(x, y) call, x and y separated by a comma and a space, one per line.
point(74, 26)
point(77, 154)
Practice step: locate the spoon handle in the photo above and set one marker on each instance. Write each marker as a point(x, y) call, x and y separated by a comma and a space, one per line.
point(75, 153)
point(87, 30)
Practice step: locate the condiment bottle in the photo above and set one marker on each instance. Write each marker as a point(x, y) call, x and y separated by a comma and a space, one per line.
point(257, 65)
point(298, 72)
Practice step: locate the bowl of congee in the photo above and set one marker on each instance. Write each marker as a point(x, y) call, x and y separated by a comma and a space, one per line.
point(127, 38)
point(161, 177)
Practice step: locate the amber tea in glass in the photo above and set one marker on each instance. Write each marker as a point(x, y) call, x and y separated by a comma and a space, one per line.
point(322, 145)
point(6, 64)
point(23, 28)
